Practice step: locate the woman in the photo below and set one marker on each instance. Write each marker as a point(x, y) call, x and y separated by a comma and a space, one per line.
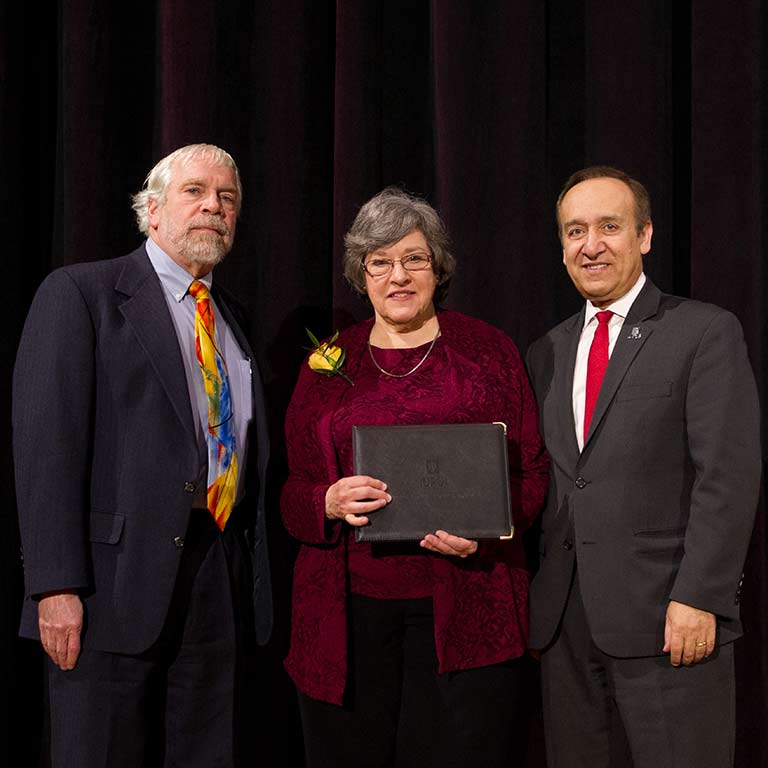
point(406, 654)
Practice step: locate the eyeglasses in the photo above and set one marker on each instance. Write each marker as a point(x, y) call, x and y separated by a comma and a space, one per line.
point(413, 262)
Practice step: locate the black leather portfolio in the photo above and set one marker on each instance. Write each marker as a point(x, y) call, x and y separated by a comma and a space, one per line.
point(450, 477)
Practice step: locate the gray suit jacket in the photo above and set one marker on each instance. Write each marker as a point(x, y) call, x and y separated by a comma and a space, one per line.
point(660, 504)
point(106, 453)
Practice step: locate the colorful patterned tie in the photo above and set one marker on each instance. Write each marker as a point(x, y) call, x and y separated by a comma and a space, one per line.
point(596, 365)
point(222, 456)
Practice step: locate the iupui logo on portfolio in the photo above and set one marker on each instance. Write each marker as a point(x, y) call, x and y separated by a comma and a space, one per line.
point(432, 478)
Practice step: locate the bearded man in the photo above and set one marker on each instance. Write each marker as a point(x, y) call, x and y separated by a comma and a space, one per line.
point(139, 423)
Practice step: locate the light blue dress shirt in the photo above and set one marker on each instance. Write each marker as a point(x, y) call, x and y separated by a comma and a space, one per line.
point(176, 281)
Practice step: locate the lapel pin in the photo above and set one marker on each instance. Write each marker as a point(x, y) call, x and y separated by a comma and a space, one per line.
point(635, 333)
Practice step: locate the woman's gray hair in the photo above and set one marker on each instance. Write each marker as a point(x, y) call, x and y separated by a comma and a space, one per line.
point(157, 181)
point(387, 218)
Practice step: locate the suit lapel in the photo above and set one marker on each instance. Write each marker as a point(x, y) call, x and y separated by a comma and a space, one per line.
point(233, 324)
point(145, 309)
point(258, 440)
point(634, 333)
point(565, 362)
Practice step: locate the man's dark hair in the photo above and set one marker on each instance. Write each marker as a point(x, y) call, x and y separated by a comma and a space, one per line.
point(639, 192)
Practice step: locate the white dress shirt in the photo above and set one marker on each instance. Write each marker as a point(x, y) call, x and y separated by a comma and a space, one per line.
point(620, 309)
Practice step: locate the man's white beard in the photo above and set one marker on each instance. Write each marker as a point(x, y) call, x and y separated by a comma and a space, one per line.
point(202, 248)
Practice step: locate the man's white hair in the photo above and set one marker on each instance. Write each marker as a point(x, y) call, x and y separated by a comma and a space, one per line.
point(157, 181)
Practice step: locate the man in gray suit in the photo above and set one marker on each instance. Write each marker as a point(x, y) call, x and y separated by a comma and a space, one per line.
point(649, 411)
point(143, 586)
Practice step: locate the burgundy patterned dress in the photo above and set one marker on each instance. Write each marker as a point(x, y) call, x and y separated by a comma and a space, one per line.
point(473, 374)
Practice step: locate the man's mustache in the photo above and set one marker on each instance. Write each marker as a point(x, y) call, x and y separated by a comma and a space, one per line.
point(208, 222)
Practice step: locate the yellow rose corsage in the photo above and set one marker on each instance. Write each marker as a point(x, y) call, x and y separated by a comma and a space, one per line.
point(326, 357)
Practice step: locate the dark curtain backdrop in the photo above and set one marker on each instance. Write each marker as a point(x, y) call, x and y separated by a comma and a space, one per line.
point(483, 107)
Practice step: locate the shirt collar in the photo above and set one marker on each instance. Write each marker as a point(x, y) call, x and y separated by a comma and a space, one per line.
point(174, 278)
point(619, 307)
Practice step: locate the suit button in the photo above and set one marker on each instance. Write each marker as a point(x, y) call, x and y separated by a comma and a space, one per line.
point(567, 544)
point(581, 483)
point(189, 487)
point(178, 541)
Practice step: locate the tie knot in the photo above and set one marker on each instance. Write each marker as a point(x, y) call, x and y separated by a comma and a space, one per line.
point(199, 291)
point(604, 316)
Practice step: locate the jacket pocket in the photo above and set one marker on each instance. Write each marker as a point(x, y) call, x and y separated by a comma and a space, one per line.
point(661, 533)
point(106, 528)
point(661, 545)
point(644, 391)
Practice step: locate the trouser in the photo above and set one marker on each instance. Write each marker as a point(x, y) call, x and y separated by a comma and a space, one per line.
point(175, 704)
point(672, 716)
point(398, 711)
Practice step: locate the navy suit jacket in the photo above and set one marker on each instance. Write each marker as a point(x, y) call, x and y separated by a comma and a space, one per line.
point(660, 503)
point(107, 456)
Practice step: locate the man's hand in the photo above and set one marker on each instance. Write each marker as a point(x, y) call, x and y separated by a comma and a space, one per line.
point(689, 634)
point(60, 617)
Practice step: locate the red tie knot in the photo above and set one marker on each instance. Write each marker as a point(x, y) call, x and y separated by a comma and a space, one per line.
point(604, 316)
point(199, 291)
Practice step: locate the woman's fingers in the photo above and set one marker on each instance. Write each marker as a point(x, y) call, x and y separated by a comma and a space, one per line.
point(355, 495)
point(445, 543)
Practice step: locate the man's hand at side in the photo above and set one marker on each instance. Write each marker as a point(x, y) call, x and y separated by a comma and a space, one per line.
point(689, 634)
point(60, 617)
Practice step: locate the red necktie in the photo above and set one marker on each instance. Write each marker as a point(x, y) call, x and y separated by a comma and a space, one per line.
point(596, 365)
